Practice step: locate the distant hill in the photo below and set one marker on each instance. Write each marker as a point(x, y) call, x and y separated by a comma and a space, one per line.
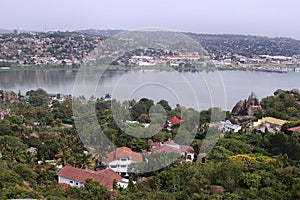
point(5, 31)
point(247, 45)
point(220, 45)
point(104, 33)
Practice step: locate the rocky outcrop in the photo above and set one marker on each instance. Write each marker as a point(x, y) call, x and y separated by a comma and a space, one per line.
point(294, 91)
point(252, 105)
point(8, 96)
point(242, 120)
point(246, 107)
point(239, 108)
point(244, 111)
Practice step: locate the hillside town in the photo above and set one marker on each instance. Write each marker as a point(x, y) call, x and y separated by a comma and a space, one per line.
point(50, 49)
point(71, 49)
point(40, 147)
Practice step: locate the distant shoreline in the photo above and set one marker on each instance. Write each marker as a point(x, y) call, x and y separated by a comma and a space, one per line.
point(135, 68)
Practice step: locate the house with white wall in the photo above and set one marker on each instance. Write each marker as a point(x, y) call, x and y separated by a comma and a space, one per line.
point(76, 177)
point(121, 158)
point(227, 126)
point(170, 146)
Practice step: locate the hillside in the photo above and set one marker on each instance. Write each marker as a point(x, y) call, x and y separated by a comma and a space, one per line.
point(220, 45)
point(36, 139)
point(5, 31)
point(247, 45)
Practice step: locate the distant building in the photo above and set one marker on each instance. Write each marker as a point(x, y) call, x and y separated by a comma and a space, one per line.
point(173, 121)
point(227, 126)
point(76, 177)
point(17, 31)
point(170, 146)
point(183, 57)
point(270, 120)
point(269, 123)
point(142, 63)
point(121, 158)
point(295, 129)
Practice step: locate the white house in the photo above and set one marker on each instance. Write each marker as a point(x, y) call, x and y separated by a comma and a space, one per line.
point(170, 146)
point(76, 177)
point(227, 126)
point(121, 158)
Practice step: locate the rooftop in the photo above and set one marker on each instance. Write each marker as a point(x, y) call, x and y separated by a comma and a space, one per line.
point(123, 152)
point(297, 128)
point(104, 177)
point(174, 120)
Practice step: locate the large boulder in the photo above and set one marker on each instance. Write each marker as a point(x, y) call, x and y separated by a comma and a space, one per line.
point(244, 111)
point(239, 108)
point(252, 104)
point(295, 91)
point(242, 120)
point(246, 107)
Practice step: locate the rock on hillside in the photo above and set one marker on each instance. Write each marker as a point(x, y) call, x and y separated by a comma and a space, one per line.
point(244, 111)
point(246, 107)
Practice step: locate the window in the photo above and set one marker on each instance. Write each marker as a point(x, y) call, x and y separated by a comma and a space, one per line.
point(113, 166)
point(123, 159)
point(123, 166)
point(76, 183)
point(71, 181)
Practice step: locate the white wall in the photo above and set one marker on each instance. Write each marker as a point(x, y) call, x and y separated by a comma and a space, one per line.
point(121, 166)
point(70, 182)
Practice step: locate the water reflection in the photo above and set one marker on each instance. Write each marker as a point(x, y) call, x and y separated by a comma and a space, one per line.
point(238, 84)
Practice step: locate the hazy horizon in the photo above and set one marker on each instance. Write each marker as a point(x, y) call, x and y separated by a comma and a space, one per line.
point(272, 18)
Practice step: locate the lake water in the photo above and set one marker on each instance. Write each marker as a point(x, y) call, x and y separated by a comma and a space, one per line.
point(219, 88)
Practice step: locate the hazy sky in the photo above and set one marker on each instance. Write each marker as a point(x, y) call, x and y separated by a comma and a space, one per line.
point(255, 17)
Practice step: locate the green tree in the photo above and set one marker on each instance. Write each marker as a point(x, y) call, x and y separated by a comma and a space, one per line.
point(138, 144)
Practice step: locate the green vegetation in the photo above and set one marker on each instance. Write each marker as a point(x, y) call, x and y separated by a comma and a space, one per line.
point(38, 135)
point(283, 105)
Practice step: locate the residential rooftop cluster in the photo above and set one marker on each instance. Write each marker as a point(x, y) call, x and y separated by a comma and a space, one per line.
point(225, 51)
point(51, 48)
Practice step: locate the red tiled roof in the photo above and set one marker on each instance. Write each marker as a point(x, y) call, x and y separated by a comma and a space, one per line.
point(123, 152)
point(169, 141)
point(104, 177)
point(185, 148)
point(170, 146)
point(109, 173)
point(297, 128)
point(174, 120)
point(169, 149)
point(166, 149)
point(153, 144)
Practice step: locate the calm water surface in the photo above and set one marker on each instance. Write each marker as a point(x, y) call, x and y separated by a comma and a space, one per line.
point(237, 84)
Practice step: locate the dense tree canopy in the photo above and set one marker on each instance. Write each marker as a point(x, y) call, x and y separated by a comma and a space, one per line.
point(39, 134)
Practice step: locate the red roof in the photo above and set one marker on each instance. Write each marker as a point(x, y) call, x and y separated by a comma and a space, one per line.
point(104, 177)
point(169, 141)
point(123, 152)
point(174, 120)
point(166, 149)
point(186, 148)
point(170, 146)
point(297, 128)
